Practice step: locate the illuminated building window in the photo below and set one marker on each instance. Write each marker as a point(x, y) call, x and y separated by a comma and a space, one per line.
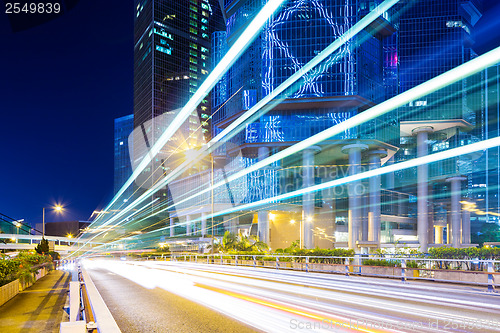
point(193, 68)
point(193, 60)
point(193, 23)
point(193, 15)
point(193, 31)
point(193, 46)
point(204, 20)
point(204, 35)
point(193, 53)
point(204, 13)
point(193, 8)
point(204, 49)
point(163, 49)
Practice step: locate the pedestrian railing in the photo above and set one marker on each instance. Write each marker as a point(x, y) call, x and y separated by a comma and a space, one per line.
point(475, 271)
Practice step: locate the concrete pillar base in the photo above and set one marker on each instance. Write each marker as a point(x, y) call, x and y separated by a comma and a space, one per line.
point(354, 220)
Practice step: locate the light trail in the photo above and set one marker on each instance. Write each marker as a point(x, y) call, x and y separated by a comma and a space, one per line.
point(275, 301)
point(430, 86)
point(439, 82)
point(355, 29)
point(239, 46)
point(474, 147)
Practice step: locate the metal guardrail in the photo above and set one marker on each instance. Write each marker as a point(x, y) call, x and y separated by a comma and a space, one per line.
point(87, 310)
point(462, 271)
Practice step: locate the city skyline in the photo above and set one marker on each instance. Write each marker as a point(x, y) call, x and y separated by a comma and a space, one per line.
point(78, 211)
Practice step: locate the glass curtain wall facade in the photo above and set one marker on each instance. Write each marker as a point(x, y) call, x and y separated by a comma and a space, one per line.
point(357, 76)
point(122, 148)
point(434, 37)
point(172, 57)
point(411, 44)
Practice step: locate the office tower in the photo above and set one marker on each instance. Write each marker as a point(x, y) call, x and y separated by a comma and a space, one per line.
point(411, 44)
point(347, 83)
point(172, 57)
point(434, 37)
point(122, 163)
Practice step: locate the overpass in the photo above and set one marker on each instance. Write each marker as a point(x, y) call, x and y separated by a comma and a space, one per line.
point(62, 245)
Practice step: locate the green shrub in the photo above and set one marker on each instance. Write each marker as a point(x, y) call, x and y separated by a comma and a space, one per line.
point(8, 270)
point(483, 253)
point(381, 262)
point(22, 267)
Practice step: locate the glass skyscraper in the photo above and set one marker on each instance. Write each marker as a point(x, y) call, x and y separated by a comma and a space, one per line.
point(122, 163)
point(405, 47)
point(171, 58)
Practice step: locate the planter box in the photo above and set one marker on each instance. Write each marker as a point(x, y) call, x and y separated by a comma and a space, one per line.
point(9, 291)
point(381, 270)
point(475, 277)
point(38, 275)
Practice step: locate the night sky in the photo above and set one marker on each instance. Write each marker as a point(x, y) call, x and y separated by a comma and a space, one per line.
point(61, 85)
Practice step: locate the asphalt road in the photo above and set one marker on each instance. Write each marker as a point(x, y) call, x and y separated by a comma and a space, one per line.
point(139, 309)
point(182, 297)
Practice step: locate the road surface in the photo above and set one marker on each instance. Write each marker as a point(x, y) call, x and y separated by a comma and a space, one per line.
point(186, 297)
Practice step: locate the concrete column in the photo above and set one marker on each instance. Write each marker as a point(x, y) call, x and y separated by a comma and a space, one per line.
point(308, 198)
point(456, 195)
point(354, 219)
point(263, 215)
point(365, 216)
point(430, 220)
point(172, 231)
point(203, 224)
point(263, 224)
point(390, 175)
point(374, 183)
point(465, 227)
point(422, 188)
point(448, 224)
point(188, 225)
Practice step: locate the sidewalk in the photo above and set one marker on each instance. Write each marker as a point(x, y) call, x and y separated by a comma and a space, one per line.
point(38, 308)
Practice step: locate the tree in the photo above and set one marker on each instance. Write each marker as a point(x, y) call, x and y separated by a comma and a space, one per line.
point(239, 242)
point(490, 232)
point(43, 247)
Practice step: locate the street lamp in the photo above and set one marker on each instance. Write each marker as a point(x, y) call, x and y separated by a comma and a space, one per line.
point(57, 208)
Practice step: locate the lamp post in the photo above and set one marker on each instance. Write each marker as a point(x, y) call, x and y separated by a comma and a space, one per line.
point(57, 208)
